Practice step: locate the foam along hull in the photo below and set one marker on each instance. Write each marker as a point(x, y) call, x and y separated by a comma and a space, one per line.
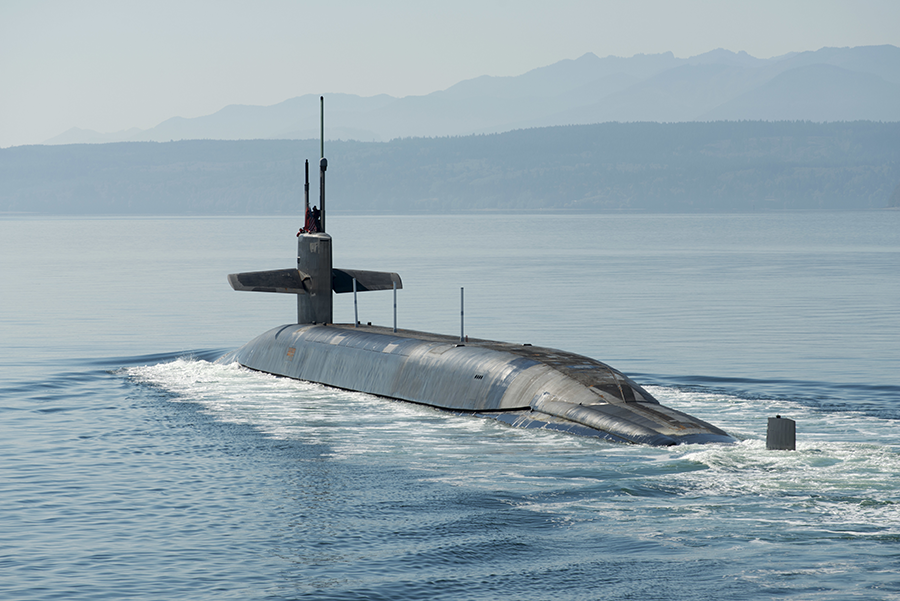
point(521, 385)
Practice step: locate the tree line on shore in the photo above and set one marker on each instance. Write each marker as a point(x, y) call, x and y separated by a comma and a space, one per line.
point(646, 167)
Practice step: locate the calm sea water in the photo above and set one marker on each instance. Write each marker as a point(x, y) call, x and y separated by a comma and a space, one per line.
point(135, 468)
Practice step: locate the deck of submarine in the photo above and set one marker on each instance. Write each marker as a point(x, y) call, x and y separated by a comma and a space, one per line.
point(585, 370)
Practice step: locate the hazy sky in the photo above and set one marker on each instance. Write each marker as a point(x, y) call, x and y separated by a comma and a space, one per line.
point(112, 65)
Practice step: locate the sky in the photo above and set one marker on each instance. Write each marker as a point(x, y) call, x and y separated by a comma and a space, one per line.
point(113, 65)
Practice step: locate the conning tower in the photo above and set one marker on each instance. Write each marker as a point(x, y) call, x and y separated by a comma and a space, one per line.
point(314, 279)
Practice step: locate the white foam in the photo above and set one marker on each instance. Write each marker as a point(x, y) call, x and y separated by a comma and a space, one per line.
point(841, 478)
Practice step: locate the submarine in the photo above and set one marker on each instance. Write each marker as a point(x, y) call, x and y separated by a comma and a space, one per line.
point(518, 384)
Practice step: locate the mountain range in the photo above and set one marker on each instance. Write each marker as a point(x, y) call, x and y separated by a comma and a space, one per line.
point(827, 85)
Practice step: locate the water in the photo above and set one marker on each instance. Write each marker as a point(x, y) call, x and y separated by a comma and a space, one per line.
point(135, 468)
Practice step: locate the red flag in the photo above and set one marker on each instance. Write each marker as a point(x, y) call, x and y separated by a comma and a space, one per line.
point(310, 222)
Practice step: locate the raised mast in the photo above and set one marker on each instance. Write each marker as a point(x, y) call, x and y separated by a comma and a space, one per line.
point(323, 165)
point(306, 195)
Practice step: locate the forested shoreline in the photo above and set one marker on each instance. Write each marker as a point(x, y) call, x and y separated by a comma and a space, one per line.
point(608, 167)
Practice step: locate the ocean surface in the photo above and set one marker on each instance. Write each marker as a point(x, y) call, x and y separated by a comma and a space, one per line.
point(134, 467)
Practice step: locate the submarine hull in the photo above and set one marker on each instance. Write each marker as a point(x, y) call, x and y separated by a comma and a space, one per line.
point(521, 385)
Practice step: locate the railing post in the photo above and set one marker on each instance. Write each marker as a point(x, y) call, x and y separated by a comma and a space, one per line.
point(462, 313)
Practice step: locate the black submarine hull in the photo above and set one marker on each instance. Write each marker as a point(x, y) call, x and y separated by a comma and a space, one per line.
point(521, 385)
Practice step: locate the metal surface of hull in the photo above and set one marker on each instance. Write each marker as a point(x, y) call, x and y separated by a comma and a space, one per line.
point(521, 385)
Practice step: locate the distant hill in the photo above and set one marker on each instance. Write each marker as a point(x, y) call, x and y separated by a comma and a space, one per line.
point(636, 167)
point(831, 84)
point(817, 92)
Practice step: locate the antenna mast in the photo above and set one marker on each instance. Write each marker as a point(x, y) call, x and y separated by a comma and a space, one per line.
point(306, 195)
point(323, 164)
